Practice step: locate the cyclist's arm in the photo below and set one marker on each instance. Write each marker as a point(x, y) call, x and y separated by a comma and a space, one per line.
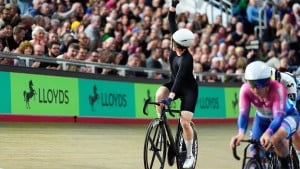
point(244, 104)
point(172, 20)
point(278, 109)
point(276, 123)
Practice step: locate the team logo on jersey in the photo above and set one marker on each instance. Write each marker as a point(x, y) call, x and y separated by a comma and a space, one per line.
point(290, 85)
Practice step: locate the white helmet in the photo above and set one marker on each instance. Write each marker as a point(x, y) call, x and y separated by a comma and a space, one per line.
point(275, 74)
point(184, 37)
point(257, 70)
point(258, 74)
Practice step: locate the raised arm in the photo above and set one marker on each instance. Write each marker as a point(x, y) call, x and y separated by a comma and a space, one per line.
point(172, 16)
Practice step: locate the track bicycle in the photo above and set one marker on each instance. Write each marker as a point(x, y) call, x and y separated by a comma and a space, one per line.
point(160, 143)
point(264, 159)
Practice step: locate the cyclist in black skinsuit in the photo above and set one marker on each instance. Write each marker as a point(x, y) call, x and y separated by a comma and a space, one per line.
point(182, 84)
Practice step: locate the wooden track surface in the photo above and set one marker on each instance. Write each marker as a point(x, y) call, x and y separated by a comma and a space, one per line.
point(100, 146)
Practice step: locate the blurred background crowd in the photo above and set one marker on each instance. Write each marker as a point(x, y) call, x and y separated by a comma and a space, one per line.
point(136, 33)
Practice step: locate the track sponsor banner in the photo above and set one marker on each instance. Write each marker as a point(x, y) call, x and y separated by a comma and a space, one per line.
point(211, 103)
point(5, 98)
point(36, 94)
point(231, 95)
point(106, 98)
point(44, 95)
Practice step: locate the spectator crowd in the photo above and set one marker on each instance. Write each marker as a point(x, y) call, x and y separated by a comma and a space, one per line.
point(136, 33)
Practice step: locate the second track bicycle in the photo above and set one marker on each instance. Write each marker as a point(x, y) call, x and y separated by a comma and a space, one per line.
point(264, 159)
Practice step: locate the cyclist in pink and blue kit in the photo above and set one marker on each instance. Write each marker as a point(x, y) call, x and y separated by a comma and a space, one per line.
point(276, 118)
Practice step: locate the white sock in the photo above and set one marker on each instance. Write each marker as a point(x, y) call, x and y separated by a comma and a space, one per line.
point(189, 146)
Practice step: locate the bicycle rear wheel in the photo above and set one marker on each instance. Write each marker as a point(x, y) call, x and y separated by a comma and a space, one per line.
point(180, 145)
point(155, 146)
point(253, 164)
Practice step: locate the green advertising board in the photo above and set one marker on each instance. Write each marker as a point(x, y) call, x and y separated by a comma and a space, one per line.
point(43, 95)
point(142, 93)
point(232, 101)
point(106, 98)
point(211, 103)
point(5, 93)
point(36, 94)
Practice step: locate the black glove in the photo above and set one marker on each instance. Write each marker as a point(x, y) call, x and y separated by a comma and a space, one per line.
point(174, 3)
point(166, 101)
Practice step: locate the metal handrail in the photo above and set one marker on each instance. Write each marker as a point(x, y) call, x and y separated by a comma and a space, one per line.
point(122, 69)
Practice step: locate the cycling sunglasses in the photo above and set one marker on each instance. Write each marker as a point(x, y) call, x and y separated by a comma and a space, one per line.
point(259, 83)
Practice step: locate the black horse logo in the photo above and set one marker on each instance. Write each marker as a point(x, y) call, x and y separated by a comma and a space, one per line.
point(235, 102)
point(93, 98)
point(28, 95)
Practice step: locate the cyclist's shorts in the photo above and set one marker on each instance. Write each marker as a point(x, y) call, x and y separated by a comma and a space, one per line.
point(188, 96)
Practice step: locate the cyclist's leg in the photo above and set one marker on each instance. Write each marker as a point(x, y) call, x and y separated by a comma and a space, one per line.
point(280, 139)
point(296, 142)
point(260, 124)
point(188, 135)
point(161, 93)
point(185, 120)
point(281, 146)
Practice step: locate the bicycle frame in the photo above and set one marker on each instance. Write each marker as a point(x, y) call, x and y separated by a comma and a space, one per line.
point(166, 126)
point(169, 132)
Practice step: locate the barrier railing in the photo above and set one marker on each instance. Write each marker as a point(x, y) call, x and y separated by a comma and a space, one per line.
point(27, 60)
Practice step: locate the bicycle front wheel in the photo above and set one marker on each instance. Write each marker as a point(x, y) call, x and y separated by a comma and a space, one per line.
point(180, 144)
point(253, 164)
point(155, 146)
